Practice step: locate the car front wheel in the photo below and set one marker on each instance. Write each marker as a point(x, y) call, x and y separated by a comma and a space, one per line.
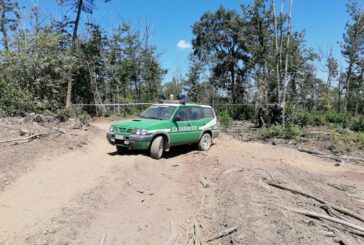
point(205, 142)
point(120, 150)
point(157, 147)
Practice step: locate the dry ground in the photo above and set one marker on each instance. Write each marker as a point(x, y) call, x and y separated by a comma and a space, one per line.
point(91, 195)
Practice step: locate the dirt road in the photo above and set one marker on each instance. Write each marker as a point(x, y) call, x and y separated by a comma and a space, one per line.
point(94, 196)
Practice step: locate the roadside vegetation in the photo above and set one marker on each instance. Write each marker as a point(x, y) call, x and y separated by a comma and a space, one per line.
point(241, 59)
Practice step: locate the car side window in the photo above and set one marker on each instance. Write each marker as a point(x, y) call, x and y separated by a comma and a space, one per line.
point(208, 113)
point(183, 113)
point(196, 113)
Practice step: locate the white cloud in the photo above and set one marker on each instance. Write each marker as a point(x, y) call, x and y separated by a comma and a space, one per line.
point(183, 44)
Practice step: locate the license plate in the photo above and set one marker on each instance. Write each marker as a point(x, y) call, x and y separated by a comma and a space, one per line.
point(119, 137)
point(126, 142)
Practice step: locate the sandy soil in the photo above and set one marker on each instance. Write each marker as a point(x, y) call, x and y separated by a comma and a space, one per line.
point(92, 195)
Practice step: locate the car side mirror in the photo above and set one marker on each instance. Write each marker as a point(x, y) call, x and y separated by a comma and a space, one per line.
point(177, 118)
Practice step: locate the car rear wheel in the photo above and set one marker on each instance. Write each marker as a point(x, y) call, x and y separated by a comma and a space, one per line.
point(205, 142)
point(157, 147)
point(120, 149)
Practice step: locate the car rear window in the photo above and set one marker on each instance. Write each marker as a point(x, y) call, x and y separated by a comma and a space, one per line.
point(208, 113)
point(196, 113)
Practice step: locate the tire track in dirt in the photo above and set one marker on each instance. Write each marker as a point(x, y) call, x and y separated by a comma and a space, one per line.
point(92, 193)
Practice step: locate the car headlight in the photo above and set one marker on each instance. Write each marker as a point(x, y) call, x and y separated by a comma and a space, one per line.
point(139, 131)
point(111, 128)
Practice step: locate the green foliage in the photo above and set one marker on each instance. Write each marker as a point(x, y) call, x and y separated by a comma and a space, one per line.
point(84, 117)
point(13, 101)
point(337, 118)
point(278, 131)
point(225, 118)
point(39, 67)
point(64, 114)
point(360, 139)
point(357, 124)
point(302, 118)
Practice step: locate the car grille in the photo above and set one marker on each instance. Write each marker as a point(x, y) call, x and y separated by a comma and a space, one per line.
point(124, 130)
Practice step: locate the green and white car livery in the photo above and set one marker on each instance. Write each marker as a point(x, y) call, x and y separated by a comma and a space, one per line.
point(163, 126)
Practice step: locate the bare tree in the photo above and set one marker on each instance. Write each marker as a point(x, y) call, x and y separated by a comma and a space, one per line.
point(276, 49)
point(285, 79)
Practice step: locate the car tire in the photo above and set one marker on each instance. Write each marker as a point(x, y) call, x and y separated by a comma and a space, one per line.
point(120, 150)
point(157, 147)
point(205, 142)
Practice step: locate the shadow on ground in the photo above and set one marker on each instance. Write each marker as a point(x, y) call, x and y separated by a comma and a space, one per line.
point(174, 152)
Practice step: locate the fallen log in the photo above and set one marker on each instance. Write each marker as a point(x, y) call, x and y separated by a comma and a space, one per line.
point(350, 158)
point(196, 233)
point(309, 151)
point(326, 217)
point(324, 133)
point(223, 233)
point(341, 187)
point(103, 239)
point(337, 208)
point(29, 138)
point(319, 154)
point(174, 234)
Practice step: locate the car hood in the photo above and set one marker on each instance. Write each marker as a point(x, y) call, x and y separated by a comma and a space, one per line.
point(140, 123)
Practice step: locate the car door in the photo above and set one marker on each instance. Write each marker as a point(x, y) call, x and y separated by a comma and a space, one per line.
point(196, 122)
point(180, 130)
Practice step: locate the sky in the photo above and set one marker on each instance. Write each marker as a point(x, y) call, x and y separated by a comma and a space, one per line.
point(171, 20)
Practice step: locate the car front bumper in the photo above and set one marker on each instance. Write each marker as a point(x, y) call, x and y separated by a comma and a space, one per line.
point(139, 142)
point(215, 133)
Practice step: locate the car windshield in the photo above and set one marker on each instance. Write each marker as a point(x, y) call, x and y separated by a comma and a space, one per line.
point(158, 112)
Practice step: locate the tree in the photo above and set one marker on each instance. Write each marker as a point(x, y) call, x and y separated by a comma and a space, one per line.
point(38, 67)
point(79, 6)
point(352, 43)
point(332, 72)
point(220, 42)
point(193, 85)
point(9, 17)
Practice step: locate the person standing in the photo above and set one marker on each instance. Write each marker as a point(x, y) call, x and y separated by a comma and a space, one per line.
point(277, 112)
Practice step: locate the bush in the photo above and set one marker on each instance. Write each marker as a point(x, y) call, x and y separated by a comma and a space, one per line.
point(244, 113)
point(360, 139)
point(273, 131)
point(293, 131)
point(225, 119)
point(302, 118)
point(64, 114)
point(337, 118)
point(84, 117)
point(13, 101)
point(279, 131)
point(357, 124)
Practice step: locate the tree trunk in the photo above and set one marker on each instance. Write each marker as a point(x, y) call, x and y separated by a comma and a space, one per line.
point(285, 82)
point(339, 95)
point(281, 18)
point(73, 47)
point(347, 85)
point(277, 49)
point(232, 75)
point(359, 90)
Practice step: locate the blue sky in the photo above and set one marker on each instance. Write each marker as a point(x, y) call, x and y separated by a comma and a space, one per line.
point(171, 21)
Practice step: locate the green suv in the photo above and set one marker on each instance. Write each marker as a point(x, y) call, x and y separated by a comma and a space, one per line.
point(165, 125)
